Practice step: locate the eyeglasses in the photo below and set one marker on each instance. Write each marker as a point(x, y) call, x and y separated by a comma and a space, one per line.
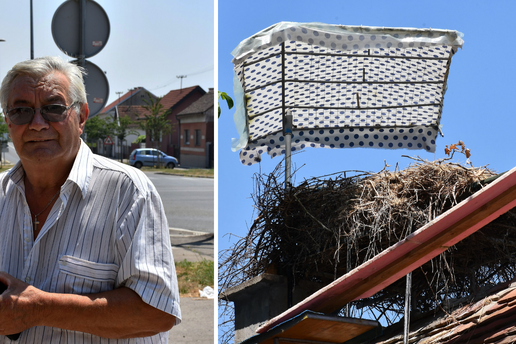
point(51, 113)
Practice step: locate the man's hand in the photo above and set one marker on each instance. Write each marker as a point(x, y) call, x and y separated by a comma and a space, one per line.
point(18, 305)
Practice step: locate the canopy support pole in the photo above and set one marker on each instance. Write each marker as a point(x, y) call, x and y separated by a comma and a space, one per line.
point(287, 128)
point(406, 328)
point(287, 122)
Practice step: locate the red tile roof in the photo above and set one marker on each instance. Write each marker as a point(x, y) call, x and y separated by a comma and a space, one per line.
point(200, 105)
point(489, 320)
point(174, 97)
point(123, 98)
point(135, 112)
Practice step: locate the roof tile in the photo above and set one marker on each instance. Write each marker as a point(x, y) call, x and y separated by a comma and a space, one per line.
point(200, 105)
point(121, 99)
point(173, 97)
point(490, 320)
point(501, 335)
point(509, 297)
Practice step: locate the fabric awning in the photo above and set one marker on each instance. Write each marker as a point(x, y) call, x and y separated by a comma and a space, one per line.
point(346, 86)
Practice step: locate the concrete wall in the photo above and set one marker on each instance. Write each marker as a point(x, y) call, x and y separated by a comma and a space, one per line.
point(188, 160)
point(262, 298)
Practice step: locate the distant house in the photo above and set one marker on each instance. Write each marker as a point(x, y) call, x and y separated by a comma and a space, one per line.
point(176, 101)
point(135, 96)
point(197, 132)
point(136, 113)
point(130, 104)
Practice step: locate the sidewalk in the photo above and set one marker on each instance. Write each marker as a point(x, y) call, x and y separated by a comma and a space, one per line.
point(197, 325)
point(191, 245)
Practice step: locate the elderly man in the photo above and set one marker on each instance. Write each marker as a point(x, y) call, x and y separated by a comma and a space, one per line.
point(85, 251)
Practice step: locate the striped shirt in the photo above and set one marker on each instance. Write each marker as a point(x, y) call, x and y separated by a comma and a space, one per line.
point(107, 229)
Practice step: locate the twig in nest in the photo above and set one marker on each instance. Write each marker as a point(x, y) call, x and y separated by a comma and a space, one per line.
point(313, 217)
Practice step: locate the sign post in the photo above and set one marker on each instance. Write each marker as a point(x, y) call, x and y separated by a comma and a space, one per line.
point(81, 30)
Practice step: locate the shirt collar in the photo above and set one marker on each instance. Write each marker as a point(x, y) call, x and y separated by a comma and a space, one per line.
point(82, 169)
point(80, 173)
point(15, 175)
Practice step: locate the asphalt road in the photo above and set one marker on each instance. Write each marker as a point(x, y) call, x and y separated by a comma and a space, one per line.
point(11, 155)
point(188, 201)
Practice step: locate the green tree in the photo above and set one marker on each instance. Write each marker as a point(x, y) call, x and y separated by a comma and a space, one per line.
point(96, 128)
point(140, 139)
point(155, 122)
point(227, 98)
point(121, 130)
point(4, 136)
point(4, 130)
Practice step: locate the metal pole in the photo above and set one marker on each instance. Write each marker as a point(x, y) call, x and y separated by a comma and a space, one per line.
point(31, 34)
point(82, 31)
point(287, 134)
point(181, 77)
point(406, 329)
point(287, 124)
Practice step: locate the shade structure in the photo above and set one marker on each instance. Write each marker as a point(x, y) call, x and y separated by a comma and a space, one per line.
point(345, 86)
point(316, 328)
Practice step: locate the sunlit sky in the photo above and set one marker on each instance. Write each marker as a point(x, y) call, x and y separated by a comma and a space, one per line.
point(476, 109)
point(150, 43)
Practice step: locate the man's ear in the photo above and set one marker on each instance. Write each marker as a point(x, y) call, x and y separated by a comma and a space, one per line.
point(83, 116)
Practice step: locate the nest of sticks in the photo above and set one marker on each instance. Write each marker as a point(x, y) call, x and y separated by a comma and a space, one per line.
point(327, 226)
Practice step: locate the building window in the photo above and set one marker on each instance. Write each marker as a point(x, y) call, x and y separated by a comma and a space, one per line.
point(187, 137)
point(197, 137)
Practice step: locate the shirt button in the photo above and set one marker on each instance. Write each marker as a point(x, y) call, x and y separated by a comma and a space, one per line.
point(27, 279)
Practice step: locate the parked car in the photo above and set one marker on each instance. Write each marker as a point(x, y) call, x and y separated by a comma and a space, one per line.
point(151, 157)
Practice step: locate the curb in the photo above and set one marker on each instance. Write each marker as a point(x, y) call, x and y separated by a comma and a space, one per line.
point(184, 175)
point(180, 236)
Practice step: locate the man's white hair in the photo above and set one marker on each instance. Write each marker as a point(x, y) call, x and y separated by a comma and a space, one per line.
point(41, 67)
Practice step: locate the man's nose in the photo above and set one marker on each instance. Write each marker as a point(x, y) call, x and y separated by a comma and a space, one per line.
point(38, 122)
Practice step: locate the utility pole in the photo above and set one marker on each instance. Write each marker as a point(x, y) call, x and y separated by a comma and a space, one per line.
point(31, 34)
point(181, 77)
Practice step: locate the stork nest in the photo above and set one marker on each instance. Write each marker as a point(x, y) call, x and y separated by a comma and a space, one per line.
point(327, 226)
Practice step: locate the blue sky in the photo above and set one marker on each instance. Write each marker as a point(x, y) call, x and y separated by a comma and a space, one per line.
point(150, 42)
point(476, 109)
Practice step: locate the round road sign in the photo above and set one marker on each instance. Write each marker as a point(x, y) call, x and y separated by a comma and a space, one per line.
point(66, 28)
point(97, 87)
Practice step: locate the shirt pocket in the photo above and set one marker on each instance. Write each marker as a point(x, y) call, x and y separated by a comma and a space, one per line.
point(80, 276)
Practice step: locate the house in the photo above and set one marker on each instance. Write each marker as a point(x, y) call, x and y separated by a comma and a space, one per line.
point(135, 113)
point(130, 104)
point(196, 126)
point(175, 101)
point(135, 96)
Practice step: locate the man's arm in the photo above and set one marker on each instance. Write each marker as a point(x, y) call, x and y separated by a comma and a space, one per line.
point(118, 313)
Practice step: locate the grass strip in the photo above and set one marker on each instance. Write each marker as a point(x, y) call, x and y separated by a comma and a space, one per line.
point(194, 276)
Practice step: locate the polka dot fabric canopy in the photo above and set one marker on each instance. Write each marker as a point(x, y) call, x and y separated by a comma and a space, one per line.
point(345, 87)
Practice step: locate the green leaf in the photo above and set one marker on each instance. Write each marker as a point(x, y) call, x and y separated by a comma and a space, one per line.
point(227, 98)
